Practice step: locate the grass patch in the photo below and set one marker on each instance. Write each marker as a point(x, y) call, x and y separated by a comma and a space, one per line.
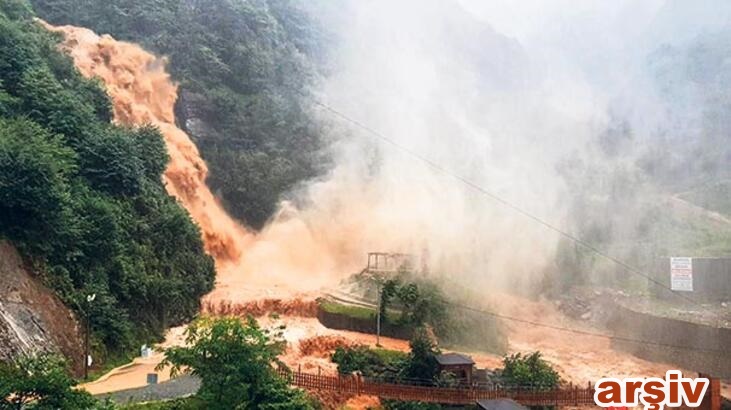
point(714, 197)
point(390, 356)
point(358, 312)
point(110, 363)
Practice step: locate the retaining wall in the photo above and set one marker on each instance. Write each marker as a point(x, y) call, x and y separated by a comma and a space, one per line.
point(343, 322)
point(707, 349)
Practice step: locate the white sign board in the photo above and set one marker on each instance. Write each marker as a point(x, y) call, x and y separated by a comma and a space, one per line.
point(681, 274)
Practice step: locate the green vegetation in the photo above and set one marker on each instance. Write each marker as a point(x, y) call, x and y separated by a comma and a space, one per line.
point(422, 361)
point(83, 199)
point(113, 360)
point(357, 312)
point(419, 365)
point(714, 196)
point(243, 68)
point(41, 383)
point(529, 371)
point(419, 303)
point(661, 232)
point(377, 363)
point(190, 403)
point(411, 303)
point(235, 360)
point(634, 210)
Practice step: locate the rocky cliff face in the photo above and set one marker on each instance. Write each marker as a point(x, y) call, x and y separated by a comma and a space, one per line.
point(32, 318)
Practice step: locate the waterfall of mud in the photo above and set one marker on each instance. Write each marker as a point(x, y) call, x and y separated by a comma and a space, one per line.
point(143, 93)
point(249, 266)
point(297, 252)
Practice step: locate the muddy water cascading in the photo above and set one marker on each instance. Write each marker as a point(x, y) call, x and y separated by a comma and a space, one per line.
point(143, 93)
point(248, 266)
point(287, 251)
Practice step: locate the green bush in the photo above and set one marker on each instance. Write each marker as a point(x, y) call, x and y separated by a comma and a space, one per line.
point(419, 365)
point(529, 371)
point(415, 302)
point(379, 363)
point(41, 382)
point(35, 168)
point(422, 361)
point(234, 360)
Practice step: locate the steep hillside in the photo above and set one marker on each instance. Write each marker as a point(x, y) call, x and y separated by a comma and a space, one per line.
point(83, 199)
point(243, 67)
point(32, 317)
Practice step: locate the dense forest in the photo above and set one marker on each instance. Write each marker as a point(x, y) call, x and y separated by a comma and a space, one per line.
point(672, 182)
point(244, 68)
point(83, 199)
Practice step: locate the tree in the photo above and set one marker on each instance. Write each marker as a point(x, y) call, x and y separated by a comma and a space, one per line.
point(234, 360)
point(388, 290)
point(111, 163)
point(420, 303)
point(422, 362)
point(529, 371)
point(40, 382)
point(83, 199)
point(35, 167)
point(151, 149)
point(16, 9)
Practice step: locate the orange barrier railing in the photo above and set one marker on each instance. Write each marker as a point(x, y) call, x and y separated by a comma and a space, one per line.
point(567, 396)
point(573, 396)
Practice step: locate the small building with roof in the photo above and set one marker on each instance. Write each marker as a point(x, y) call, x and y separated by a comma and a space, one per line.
point(458, 364)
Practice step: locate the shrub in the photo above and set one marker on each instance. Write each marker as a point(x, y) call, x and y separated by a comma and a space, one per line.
point(529, 371)
point(40, 382)
point(234, 360)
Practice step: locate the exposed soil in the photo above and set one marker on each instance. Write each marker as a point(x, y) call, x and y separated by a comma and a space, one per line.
point(32, 317)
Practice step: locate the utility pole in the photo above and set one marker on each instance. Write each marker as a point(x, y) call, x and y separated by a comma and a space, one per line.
point(378, 314)
point(89, 299)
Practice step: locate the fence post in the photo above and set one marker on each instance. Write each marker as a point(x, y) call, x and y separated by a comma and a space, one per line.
point(713, 393)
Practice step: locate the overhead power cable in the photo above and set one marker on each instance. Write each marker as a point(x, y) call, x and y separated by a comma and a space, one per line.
point(569, 329)
point(439, 168)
